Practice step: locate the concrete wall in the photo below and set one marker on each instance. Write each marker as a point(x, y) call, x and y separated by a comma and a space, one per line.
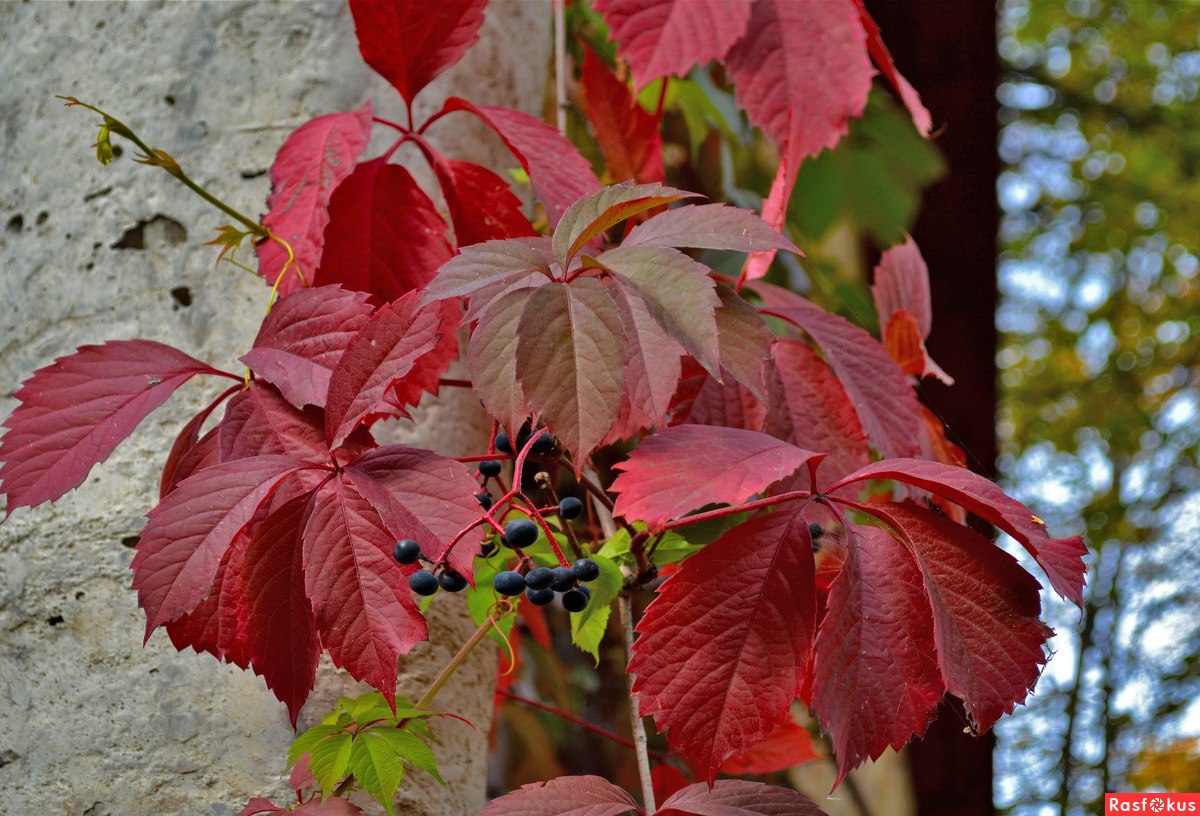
point(90, 721)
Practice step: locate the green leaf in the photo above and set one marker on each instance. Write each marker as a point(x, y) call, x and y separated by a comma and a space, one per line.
point(481, 599)
point(409, 747)
point(678, 292)
point(588, 626)
point(569, 361)
point(373, 706)
point(329, 760)
point(377, 767)
point(303, 743)
point(596, 212)
point(104, 148)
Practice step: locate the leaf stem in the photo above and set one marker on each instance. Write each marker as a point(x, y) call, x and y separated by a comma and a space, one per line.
point(625, 605)
point(770, 501)
point(455, 662)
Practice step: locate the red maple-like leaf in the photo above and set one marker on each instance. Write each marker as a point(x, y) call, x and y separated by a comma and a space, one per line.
point(384, 351)
point(800, 72)
point(627, 134)
point(281, 632)
point(702, 399)
point(1061, 558)
point(725, 646)
point(311, 163)
point(557, 172)
point(738, 797)
point(883, 60)
point(74, 412)
point(788, 745)
point(409, 42)
point(302, 338)
point(565, 796)
point(875, 682)
point(364, 609)
point(736, 464)
point(385, 236)
point(660, 37)
point(466, 186)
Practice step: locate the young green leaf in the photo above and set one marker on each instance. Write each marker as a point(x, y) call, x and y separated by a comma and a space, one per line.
point(588, 626)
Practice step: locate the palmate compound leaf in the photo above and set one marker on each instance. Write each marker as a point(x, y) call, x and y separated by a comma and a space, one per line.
point(565, 796)
point(660, 37)
point(385, 236)
point(724, 648)
point(74, 412)
point(592, 214)
point(409, 42)
point(378, 755)
point(1061, 558)
point(734, 465)
point(312, 162)
point(302, 338)
point(738, 797)
point(215, 626)
point(492, 360)
point(569, 361)
point(557, 172)
point(627, 134)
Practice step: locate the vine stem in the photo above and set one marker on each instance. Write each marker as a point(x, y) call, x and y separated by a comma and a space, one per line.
point(560, 65)
point(455, 662)
point(625, 604)
point(582, 723)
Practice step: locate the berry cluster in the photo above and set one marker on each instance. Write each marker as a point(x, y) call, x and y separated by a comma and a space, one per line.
point(540, 584)
point(408, 551)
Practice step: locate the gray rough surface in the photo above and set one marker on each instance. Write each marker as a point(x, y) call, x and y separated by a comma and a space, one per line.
point(90, 721)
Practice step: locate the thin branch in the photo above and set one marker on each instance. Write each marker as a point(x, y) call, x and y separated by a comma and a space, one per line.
point(582, 723)
point(635, 718)
point(560, 65)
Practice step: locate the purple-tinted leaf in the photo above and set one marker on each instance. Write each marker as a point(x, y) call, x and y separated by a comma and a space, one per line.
point(487, 264)
point(738, 797)
point(592, 214)
point(709, 226)
point(492, 360)
point(565, 796)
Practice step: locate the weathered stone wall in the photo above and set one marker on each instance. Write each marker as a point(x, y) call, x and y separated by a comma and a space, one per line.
point(90, 721)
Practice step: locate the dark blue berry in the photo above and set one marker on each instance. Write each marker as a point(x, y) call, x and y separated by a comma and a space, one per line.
point(539, 597)
point(522, 439)
point(423, 583)
point(574, 601)
point(544, 445)
point(585, 569)
point(539, 577)
point(451, 581)
point(570, 508)
point(586, 590)
point(490, 468)
point(485, 500)
point(520, 532)
point(509, 583)
point(563, 580)
point(406, 551)
point(502, 443)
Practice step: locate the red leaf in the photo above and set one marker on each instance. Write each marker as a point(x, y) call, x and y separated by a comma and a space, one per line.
point(427, 371)
point(481, 204)
point(311, 163)
point(557, 172)
point(75, 411)
point(189, 531)
point(651, 359)
point(886, 406)
point(744, 338)
point(421, 495)
point(724, 647)
point(738, 797)
point(259, 422)
point(409, 42)
point(704, 400)
point(382, 353)
point(986, 612)
point(876, 682)
point(788, 746)
point(709, 226)
point(487, 264)
point(565, 796)
point(364, 609)
point(280, 630)
point(569, 362)
point(216, 625)
point(627, 134)
point(735, 465)
point(660, 37)
point(333, 806)
point(592, 214)
point(260, 805)
point(809, 408)
point(301, 339)
point(1061, 558)
point(667, 780)
point(492, 360)
point(774, 215)
point(800, 72)
point(385, 236)
point(187, 439)
point(678, 292)
point(901, 291)
point(206, 451)
point(883, 60)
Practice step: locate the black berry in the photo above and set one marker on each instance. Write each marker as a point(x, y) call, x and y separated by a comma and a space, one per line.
point(509, 583)
point(544, 445)
point(490, 468)
point(539, 577)
point(502, 443)
point(423, 583)
point(406, 551)
point(586, 590)
point(520, 532)
point(539, 597)
point(574, 601)
point(563, 580)
point(585, 569)
point(522, 439)
point(570, 508)
point(485, 500)
point(815, 531)
point(451, 581)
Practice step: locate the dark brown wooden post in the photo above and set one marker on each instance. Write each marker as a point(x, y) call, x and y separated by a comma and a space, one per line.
point(947, 49)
